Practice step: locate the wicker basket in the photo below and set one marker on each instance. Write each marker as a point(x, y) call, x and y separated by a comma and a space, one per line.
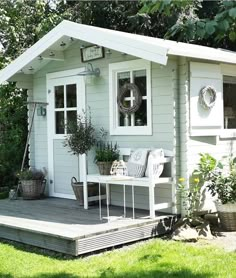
point(78, 190)
point(32, 189)
point(227, 215)
point(104, 167)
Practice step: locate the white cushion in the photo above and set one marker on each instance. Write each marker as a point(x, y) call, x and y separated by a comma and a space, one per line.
point(137, 163)
point(156, 155)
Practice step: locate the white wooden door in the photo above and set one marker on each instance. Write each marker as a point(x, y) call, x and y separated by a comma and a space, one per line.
point(66, 98)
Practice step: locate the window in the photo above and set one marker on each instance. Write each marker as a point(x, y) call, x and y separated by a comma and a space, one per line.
point(65, 106)
point(229, 97)
point(139, 122)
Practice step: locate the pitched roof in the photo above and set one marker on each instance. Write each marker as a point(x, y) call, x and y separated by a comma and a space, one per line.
point(149, 48)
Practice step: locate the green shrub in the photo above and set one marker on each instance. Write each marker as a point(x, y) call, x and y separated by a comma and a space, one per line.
point(31, 174)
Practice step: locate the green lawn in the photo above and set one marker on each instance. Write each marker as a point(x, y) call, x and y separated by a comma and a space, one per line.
point(153, 258)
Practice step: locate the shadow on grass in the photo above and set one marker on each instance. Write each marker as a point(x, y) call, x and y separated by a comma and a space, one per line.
point(64, 257)
point(37, 250)
point(110, 272)
point(150, 257)
point(165, 273)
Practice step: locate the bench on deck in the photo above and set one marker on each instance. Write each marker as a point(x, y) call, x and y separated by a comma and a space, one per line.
point(150, 182)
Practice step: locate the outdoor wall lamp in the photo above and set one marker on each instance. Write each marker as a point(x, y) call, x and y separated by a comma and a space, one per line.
point(90, 71)
point(41, 111)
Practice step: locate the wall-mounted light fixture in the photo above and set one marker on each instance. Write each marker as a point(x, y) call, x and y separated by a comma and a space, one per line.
point(108, 52)
point(41, 111)
point(62, 44)
point(52, 54)
point(90, 71)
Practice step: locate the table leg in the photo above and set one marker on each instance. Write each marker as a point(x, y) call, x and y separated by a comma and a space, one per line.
point(108, 201)
point(100, 201)
point(124, 201)
point(133, 201)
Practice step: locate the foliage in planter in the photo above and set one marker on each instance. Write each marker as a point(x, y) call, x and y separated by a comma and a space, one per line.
point(106, 151)
point(31, 174)
point(191, 195)
point(81, 137)
point(220, 177)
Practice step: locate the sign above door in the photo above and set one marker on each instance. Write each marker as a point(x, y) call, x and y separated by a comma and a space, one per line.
point(92, 52)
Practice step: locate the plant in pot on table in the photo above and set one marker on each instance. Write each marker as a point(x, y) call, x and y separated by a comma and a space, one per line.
point(221, 182)
point(106, 153)
point(32, 183)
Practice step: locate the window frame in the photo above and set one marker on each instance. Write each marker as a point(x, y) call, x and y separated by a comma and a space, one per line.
point(227, 70)
point(114, 69)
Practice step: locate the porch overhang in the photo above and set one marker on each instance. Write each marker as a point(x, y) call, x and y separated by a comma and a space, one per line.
point(50, 47)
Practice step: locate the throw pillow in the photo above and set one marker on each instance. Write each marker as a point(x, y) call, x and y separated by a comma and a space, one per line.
point(157, 155)
point(137, 163)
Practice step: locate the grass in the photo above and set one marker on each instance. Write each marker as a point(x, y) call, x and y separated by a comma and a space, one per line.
point(153, 258)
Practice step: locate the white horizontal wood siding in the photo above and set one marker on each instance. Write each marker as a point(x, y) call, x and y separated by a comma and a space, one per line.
point(218, 147)
point(163, 79)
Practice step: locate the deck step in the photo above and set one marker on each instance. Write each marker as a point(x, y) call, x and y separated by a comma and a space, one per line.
point(62, 225)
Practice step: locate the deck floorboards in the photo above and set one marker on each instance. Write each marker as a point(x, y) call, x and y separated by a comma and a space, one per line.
point(64, 219)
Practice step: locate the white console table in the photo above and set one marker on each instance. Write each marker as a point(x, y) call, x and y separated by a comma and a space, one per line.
point(133, 182)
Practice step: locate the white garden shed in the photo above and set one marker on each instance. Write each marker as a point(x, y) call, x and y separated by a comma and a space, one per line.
point(170, 76)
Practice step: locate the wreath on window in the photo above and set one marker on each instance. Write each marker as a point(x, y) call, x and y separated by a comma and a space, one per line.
point(207, 97)
point(121, 96)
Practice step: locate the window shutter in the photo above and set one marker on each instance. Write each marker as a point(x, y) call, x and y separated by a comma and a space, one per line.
point(205, 122)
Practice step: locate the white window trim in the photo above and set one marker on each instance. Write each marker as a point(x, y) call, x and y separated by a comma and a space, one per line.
point(228, 70)
point(113, 111)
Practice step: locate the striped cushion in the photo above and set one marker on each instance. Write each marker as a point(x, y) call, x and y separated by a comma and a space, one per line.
point(157, 155)
point(137, 163)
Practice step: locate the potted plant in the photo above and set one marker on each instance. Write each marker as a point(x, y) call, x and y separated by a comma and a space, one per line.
point(80, 139)
point(106, 153)
point(221, 182)
point(32, 183)
point(81, 135)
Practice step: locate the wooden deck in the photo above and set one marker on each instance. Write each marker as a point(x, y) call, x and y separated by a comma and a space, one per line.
point(62, 225)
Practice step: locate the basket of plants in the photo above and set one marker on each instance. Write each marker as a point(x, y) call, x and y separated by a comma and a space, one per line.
point(78, 190)
point(106, 152)
point(227, 215)
point(221, 182)
point(32, 184)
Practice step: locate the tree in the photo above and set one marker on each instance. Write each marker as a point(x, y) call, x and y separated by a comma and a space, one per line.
point(13, 130)
point(119, 15)
point(22, 23)
point(209, 23)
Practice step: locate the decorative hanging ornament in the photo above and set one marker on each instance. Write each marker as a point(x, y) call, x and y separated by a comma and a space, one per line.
point(137, 98)
point(207, 97)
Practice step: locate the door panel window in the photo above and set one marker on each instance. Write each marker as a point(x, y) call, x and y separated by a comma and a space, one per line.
point(71, 117)
point(60, 127)
point(71, 95)
point(65, 99)
point(59, 96)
